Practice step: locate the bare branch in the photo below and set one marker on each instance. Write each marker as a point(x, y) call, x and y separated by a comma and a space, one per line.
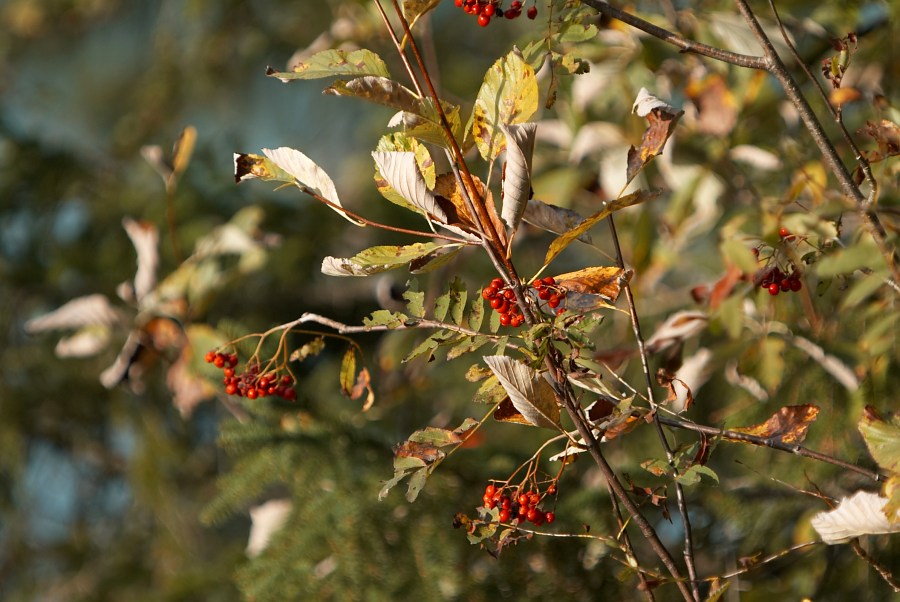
point(741, 60)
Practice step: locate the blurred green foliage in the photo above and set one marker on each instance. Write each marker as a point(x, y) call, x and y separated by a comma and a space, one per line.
point(101, 491)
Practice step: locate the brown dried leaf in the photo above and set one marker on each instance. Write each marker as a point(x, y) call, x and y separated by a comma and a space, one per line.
point(363, 383)
point(787, 425)
point(592, 288)
point(715, 104)
point(507, 412)
point(426, 452)
point(887, 135)
point(662, 119)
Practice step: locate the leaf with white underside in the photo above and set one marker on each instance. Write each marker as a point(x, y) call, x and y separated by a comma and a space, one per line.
point(402, 173)
point(375, 260)
point(531, 395)
point(145, 239)
point(553, 218)
point(266, 520)
point(307, 174)
point(517, 173)
point(90, 310)
point(860, 514)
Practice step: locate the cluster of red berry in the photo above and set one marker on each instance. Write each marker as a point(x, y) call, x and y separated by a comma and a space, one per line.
point(503, 300)
point(485, 11)
point(250, 383)
point(777, 281)
point(522, 507)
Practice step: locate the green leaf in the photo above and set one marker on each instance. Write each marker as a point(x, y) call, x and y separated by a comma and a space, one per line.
point(509, 94)
point(882, 437)
point(691, 476)
point(468, 345)
point(458, 296)
point(348, 371)
point(427, 346)
point(844, 261)
point(490, 392)
point(739, 254)
point(610, 207)
point(375, 260)
point(384, 317)
point(476, 313)
point(416, 484)
point(331, 63)
point(415, 300)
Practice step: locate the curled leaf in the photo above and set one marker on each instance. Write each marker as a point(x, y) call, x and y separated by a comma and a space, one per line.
point(676, 328)
point(402, 173)
point(517, 172)
point(662, 119)
point(528, 392)
point(553, 219)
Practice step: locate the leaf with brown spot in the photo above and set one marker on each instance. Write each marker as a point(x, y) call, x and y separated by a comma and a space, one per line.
point(507, 412)
point(447, 189)
point(426, 452)
point(787, 425)
point(886, 135)
point(662, 120)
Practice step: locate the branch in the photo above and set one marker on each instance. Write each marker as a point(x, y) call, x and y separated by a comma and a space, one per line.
point(776, 67)
point(741, 60)
point(792, 448)
point(642, 349)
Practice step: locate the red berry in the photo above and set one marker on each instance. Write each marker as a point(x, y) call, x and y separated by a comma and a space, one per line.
point(560, 311)
point(483, 20)
point(251, 394)
point(516, 4)
point(509, 294)
point(210, 357)
point(554, 301)
point(516, 321)
point(532, 13)
point(459, 3)
point(505, 319)
point(290, 394)
point(497, 283)
point(219, 361)
point(551, 490)
point(550, 516)
point(783, 232)
point(496, 302)
point(511, 13)
point(774, 288)
point(504, 515)
point(545, 293)
point(523, 499)
point(785, 284)
point(538, 284)
point(532, 514)
point(488, 9)
point(796, 284)
point(490, 490)
point(231, 389)
point(549, 280)
point(504, 307)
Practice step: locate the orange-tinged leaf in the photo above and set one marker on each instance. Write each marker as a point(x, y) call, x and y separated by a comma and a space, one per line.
point(507, 412)
point(662, 119)
point(787, 425)
point(716, 105)
point(592, 288)
point(842, 96)
point(426, 452)
point(363, 383)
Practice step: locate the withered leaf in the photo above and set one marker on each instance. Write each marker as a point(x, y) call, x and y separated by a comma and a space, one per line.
point(661, 119)
point(886, 135)
point(426, 452)
point(592, 288)
point(787, 425)
point(507, 412)
point(716, 105)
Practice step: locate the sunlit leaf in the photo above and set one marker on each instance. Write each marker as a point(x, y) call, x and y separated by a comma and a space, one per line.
point(508, 95)
point(882, 438)
point(379, 90)
point(609, 207)
point(886, 135)
point(415, 300)
point(145, 238)
point(348, 371)
point(676, 328)
point(331, 63)
point(531, 395)
point(787, 425)
point(384, 317)
point(309, 349)
point(517, 172)
point(857, 515)
point(662, 119)
point(602, 282)
point(375, 260)
point(307, 174)
point(402, 172)
point(414, 9)
point(90, 310)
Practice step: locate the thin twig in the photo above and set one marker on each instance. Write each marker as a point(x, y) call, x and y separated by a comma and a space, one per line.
point(741, 60)
point(792, 448)
point(877, 566)
point(670, 456)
